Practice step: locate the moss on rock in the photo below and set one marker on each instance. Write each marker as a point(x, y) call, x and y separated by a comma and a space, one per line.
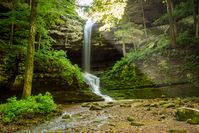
point(125, 74)
point(190, 115)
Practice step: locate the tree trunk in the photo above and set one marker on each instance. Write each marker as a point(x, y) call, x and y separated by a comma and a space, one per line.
point(30, 51)
point(11, 34)
point(12, 25)
point(197, 28)
point(172, 22)
point(197, 17)
point(124, 49)
point(39, 42)
point(143, 18)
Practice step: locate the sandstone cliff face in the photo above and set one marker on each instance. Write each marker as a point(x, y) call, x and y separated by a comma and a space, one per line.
point(153, 9)
point(68, 35)
point(105, 51)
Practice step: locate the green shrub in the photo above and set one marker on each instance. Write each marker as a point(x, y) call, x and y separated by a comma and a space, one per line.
point(56, 64)
point(183, 38)
point(40, 104)
point(125, 74)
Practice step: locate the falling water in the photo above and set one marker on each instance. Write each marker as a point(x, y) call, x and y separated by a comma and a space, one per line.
point(87, 44)
point(92, 80)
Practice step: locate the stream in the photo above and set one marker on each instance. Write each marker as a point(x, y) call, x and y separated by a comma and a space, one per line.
point(120, 116)
point(73, 116)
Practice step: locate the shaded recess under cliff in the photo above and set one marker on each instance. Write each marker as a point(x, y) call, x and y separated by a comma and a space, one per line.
point(103, 54)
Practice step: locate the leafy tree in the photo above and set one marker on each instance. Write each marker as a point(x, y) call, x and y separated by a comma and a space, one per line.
point(128, 33)
point(14, 22)
point(108, 12)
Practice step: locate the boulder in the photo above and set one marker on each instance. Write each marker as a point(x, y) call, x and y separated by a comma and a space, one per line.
point(95, 107)
point(130, 119)
point(190, 115)
point(168, 105)
point(66, 116)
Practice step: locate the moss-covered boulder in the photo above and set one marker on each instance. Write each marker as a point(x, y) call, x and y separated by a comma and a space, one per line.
point(190, 115)
point(95, 107)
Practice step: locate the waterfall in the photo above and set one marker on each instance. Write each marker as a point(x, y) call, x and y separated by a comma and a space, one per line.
point(87, 45)
point(92, 80)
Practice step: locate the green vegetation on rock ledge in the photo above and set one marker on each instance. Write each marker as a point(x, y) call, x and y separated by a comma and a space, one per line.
point(123, 75)
point(54, 64)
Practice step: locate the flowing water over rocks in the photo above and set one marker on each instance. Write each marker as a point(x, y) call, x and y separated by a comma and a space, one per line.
point(73, 116)
point(94, 83)
point(92, 80)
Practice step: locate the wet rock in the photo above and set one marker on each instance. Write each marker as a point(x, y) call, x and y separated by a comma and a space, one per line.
point(130, 119)
point(110, 103)
point(86, 105)
point(148, 109)
point(190, 115)
point(162, 117)
point(163, 96)
point(154, 105)
point(146, 104)
point(67, 116)
point(95, 107)
point(125, 105)
point(112, 125)
point(162, 102)
point(136, 124)
point(176, 131)
point(178, 102)
point(169, 105)
point(55, 132)
point(102, 104)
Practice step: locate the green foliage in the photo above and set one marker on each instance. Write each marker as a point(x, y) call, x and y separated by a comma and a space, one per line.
point(124, 34)
point(125, 74)
point(152, 46)
point(129, 33)
point(108, 12)
point(18, 17)
point(49, 14)
point(14, 109)
point(183, 38)
point(182, 10)
point(55, 63)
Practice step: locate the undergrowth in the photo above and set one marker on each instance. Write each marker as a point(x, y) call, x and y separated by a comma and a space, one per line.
point(56, 64)
point(15, 109)
point(125, 74)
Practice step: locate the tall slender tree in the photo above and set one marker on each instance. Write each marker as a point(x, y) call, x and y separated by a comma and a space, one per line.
point(30, 51)
point(195, 4)
point(143, 18)
point(172, 22)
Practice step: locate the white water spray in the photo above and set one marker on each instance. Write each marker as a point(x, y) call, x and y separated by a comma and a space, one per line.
point(92, 80)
